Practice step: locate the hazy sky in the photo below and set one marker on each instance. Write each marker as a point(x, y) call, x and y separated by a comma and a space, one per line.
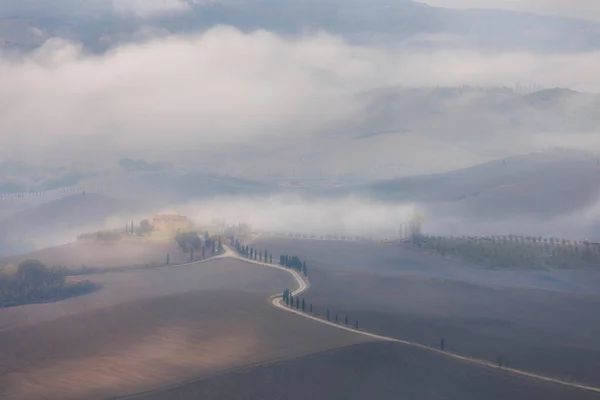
point(589, 9)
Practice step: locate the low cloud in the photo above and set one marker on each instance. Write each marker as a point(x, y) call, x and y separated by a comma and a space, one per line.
point(350, 216)
point(225, 86)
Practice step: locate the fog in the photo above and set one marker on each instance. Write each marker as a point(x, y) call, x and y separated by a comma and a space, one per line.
point(166, 94)
point(351, 216)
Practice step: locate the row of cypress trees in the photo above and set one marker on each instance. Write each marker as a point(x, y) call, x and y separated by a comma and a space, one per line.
point(295, 302)
point(294, 263)
point(252, 253)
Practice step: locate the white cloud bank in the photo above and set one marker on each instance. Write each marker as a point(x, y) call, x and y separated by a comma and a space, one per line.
point(226, 86)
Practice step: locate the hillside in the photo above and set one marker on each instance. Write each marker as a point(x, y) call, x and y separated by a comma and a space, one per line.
point(98, 25)
point(384, 371)
point(151, 329)
point(57, 221)
point(547, 184)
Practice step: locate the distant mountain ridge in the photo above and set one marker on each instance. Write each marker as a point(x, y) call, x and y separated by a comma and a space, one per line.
point(96, 24)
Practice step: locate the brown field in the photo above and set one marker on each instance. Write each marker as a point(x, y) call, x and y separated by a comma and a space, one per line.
point(153, 328)
point(375, 370)
point(126, 252)
point(480, 313)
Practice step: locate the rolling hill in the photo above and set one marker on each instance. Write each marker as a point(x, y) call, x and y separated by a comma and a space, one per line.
point(98, 25)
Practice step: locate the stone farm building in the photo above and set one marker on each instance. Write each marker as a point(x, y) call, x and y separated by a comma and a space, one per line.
point(170, 223)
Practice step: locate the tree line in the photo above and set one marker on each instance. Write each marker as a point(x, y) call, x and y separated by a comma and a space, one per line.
point(301, 305)
point(250, 252)
point(190, 243)
point(33, 282)
point(511, 251)
point(294, 263)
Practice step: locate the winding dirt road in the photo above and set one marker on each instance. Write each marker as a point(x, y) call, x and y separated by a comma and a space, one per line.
point(303, 285)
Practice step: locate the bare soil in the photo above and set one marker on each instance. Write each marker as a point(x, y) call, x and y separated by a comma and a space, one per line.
point(153, 328)
point(375, 370)
point(395, 292)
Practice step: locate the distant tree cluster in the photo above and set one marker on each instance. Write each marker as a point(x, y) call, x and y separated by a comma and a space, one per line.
point(252, 253)
point(512, 251)
point(33, 282)
point(142, 229)
point(294, 263)
point(188, 241)
point(101, 236)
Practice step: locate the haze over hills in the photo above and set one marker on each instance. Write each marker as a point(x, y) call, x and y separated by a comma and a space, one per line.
point(100, 23)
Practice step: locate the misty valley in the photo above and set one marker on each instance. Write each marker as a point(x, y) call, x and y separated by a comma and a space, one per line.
point(334, 199)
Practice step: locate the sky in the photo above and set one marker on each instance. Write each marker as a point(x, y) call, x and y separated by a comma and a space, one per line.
point(588, 9)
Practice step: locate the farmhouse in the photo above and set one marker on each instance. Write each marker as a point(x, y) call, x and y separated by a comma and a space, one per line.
point(170, 223)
